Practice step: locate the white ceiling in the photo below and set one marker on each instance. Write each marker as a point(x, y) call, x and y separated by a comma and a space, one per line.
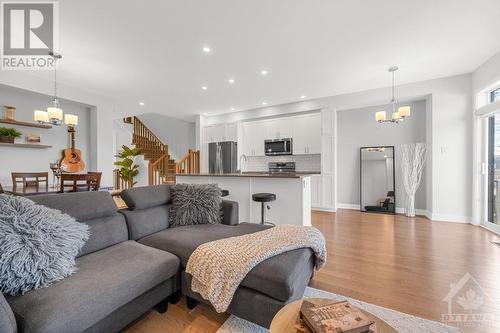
point(151, 51)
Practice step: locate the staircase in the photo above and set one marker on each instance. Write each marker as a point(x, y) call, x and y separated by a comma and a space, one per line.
point(161, 167)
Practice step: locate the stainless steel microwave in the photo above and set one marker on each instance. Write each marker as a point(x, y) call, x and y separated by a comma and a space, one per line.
point(278, 147)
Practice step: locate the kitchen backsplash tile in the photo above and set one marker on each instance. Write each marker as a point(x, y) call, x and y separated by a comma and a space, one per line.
point(302, 162)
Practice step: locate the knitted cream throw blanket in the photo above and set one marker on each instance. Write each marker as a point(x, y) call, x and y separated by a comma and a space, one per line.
point(218, 267)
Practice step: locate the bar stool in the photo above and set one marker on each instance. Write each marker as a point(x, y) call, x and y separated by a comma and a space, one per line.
point(263, 198)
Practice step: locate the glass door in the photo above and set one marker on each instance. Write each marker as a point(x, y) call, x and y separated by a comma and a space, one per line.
point(493, 181)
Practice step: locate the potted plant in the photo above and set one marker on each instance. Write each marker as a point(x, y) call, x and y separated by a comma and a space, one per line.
point(8, 135)
point(128, 170)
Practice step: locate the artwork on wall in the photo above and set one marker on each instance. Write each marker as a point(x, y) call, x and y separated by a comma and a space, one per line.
point(33, 138)
point(10, 112)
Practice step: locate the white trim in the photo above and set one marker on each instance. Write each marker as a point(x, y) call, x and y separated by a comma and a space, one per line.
point(324, 209)
point(450, 218)
point(491, 227)
point(488, 109)
point(347, 206)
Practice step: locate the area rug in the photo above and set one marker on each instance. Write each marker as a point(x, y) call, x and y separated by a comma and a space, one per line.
point(402, 322)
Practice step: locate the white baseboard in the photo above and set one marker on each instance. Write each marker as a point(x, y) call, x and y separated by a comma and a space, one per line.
point(348, 206)
point(324, 209)
point(420, 212)
point(450, 218)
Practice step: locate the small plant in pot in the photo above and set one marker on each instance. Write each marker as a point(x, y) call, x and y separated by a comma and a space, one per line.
point(8, 135)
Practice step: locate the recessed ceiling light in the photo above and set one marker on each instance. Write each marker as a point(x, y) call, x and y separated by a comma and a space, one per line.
point(303, 96)
point(207, 49)
point(233, 109)
point(205, 113)
point(204, 88)
point(264, 103)
point(141, 103)
point(263, 72)
point(231, 81)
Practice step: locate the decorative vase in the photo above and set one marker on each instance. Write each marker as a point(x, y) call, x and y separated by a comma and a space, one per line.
point(410, 206)
point(7, 139)
point(10, 112)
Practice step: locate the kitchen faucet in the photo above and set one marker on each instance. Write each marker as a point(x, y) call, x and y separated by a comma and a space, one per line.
point(241, 164)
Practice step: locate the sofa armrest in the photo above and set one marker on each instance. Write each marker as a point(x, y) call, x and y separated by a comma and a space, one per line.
point(231, 214)
point(7, 319)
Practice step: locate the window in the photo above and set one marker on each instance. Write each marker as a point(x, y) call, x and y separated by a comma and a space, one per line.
point(495, 95)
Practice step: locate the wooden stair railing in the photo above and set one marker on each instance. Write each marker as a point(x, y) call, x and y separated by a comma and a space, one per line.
point(161, 168)
point(189, 164)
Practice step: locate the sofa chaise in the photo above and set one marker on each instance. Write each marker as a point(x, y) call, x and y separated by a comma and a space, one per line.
point(134, 262)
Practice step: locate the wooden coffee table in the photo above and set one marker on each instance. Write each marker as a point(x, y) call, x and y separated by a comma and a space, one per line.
point(286, 318)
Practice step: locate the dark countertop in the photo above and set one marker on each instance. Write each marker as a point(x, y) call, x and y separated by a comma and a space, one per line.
point(263, 174)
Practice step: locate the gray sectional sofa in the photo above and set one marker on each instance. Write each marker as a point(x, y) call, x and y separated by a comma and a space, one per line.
point(133, 262)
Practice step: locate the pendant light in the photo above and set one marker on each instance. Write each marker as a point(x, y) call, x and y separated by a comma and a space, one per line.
point(401, 114)
point(54, 114)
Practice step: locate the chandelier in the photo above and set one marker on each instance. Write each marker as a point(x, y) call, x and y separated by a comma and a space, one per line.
point(398, 116)
point(54, 114)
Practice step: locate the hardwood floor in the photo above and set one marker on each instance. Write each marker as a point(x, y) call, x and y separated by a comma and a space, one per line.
point(393, 261)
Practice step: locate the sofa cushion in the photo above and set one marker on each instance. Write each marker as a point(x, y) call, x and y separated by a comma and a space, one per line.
point(82, 206)
point(97, 210)
point(7, 320)
point(182, 241)
point(195, 204)
point(144, 222)
point(275, 277)
point(105, 232)
point(105, 281)
point(146, 196)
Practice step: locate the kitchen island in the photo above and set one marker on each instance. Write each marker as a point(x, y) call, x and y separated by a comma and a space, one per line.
point(293, 194)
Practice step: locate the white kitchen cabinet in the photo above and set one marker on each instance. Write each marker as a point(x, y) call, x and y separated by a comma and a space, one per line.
point(232, 132)
point(253, 138)
point(214, 133)
point(278, 128)
point(316, 191)
point(306, 134)
point(218, 133)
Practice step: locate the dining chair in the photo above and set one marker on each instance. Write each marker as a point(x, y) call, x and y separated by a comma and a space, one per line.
point(80, 182)
point(30, 179)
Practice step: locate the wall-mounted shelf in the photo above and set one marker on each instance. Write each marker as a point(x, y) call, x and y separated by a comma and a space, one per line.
point(22, 123)
point(24, 145)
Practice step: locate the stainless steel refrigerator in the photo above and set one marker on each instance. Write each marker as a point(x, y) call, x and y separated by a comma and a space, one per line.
point(223, 157)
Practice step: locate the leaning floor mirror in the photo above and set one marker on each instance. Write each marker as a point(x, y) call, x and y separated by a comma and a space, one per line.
point(377, 180)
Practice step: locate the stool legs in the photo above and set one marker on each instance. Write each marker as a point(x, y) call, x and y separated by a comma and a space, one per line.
point(262, 213)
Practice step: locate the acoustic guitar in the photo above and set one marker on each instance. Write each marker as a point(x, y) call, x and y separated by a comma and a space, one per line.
point(72, 158)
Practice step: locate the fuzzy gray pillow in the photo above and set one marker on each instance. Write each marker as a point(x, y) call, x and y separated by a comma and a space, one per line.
point(195, 204)
point(38, 245)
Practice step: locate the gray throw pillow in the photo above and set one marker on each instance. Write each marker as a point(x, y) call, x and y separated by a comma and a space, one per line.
point(38, 245)
point(195, 204)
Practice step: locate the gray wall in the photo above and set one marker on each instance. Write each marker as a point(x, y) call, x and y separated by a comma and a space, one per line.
point(178, 134)
point(358, 128)
point(37, 160)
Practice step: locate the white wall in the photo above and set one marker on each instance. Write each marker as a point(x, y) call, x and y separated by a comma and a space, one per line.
point(449, 128)
point(37, 160)
point(357, 128)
